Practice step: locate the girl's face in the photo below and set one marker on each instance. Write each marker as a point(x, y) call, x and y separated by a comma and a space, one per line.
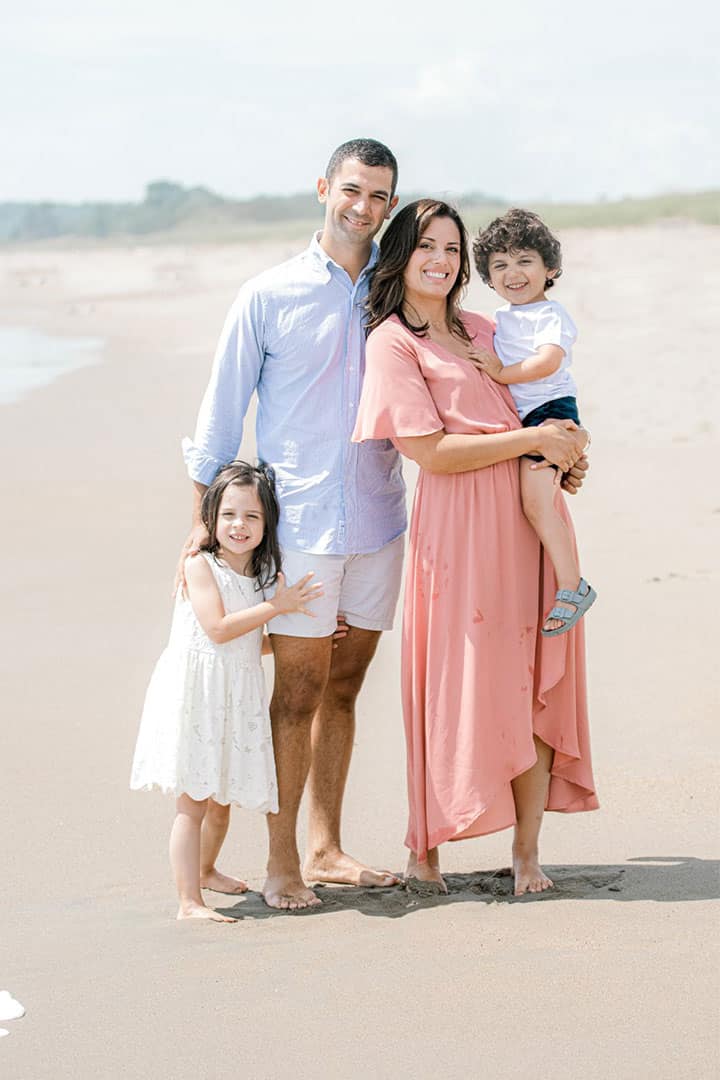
point(434, 265)
point(240, 522)
point(519, 276)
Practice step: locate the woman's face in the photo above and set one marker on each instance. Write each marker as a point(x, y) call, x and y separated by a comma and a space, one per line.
point(435, 263)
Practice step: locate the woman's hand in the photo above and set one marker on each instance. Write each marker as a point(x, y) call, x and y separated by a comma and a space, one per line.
point(572, 481)
point(561, 443)
point(295, 597)
point(488, 362)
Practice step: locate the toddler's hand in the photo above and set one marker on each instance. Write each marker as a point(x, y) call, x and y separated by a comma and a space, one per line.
point(295, 597)
point(486, 361)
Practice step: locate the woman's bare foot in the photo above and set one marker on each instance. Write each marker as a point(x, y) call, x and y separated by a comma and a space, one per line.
point(529, 875)
point(337, 868)
point(288, 892)
point(200, 911)
point(428, 871)
point(222, 883)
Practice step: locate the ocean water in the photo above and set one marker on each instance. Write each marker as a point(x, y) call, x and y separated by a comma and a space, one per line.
point(30, 359)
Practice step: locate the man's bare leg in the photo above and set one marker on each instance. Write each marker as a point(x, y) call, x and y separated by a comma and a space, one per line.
point(333, 731)
point(302, 666)
point(530, 791)
point(214, 830)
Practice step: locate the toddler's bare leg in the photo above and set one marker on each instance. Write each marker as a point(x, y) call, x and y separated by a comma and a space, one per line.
point(185, 860)
point(538, 498)
point(214, 830)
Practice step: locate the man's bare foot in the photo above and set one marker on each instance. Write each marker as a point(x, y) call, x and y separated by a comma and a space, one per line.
point(337, 868)
point(427, 871)
point(288, 892)
point(528, 874)
point(199, 911)
point(222, 883)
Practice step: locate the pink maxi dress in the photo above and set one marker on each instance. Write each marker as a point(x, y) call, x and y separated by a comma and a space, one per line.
point(478, 678)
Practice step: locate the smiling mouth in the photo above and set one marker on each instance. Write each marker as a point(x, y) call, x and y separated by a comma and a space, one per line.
point(357, 224)
point(435, 275)
point(516, 286)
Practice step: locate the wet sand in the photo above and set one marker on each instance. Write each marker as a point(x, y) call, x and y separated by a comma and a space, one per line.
point(614, 973)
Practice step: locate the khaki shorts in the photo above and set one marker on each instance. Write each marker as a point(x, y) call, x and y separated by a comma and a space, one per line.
point(364, 588)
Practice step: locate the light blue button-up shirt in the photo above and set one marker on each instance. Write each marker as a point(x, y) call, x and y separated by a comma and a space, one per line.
point(295, 334)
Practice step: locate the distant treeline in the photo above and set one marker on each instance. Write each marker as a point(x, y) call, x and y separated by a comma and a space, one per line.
point(172, 212)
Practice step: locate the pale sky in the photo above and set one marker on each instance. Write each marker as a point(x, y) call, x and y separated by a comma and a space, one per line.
point(564, 100)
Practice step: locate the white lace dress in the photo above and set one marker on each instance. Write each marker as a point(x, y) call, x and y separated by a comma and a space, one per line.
point(205, 727)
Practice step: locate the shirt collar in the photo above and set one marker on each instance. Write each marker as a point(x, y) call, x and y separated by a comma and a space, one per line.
point(320, 258)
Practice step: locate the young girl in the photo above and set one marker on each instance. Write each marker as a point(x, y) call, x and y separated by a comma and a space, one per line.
point(519, 257)
point(205, 729)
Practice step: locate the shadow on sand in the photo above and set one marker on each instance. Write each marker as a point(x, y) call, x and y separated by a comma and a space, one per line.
point(665, 879)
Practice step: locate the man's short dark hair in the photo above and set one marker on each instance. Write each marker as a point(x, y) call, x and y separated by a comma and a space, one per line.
point(367, 152)
point(517, 230)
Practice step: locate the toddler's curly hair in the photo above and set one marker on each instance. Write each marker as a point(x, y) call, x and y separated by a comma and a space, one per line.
point(517, 230)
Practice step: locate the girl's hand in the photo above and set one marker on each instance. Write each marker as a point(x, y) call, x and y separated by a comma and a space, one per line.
point(488, 362)
point(561, 443)
point(294, 598)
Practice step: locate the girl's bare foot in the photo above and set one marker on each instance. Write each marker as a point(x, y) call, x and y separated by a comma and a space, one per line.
point(222, 883)
point(529, 875)
point(199, 911)
point(428, 871)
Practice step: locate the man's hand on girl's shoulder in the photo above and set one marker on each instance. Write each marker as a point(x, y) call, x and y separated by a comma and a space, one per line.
point(197, 537)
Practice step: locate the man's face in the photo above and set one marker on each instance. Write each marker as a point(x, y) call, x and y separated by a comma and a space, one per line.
point(357, 201)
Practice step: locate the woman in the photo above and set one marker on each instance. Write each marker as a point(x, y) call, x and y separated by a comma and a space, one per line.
point(495, 715)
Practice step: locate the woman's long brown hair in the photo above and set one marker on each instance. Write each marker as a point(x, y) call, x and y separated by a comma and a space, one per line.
point(387, 289)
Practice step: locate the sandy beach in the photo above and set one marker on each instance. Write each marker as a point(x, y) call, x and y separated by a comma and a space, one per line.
point(612, 974)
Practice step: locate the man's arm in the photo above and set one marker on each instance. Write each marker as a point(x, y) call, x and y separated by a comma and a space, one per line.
point(234, 376)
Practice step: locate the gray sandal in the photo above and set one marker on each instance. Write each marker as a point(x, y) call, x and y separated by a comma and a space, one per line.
point(582, 599)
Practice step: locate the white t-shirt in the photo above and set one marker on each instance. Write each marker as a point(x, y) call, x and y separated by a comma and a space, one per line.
point(520, 331)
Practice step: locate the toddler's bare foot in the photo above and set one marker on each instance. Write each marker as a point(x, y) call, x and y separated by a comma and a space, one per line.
point(428, 871)
point(222, 883)
point(528, 874)
point(199, 911)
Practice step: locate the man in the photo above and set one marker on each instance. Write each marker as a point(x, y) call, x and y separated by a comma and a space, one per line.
point(295, 333)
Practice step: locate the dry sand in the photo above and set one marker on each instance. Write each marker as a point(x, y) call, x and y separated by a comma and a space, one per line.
point(614, 974)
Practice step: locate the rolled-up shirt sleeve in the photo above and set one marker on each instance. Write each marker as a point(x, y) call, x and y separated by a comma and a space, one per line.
point(235, 374)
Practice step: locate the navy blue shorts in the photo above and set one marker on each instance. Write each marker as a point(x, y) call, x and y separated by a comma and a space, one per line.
point(562, 408)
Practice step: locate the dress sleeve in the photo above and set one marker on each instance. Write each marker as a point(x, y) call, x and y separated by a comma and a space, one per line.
point(395, 401)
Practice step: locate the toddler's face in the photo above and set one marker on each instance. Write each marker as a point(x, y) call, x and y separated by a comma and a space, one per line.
point(519, 276)
point(240, 521)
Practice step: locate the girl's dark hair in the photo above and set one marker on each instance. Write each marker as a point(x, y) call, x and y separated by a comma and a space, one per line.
point(266, 560)
point(387, 289)
point(517, 230)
